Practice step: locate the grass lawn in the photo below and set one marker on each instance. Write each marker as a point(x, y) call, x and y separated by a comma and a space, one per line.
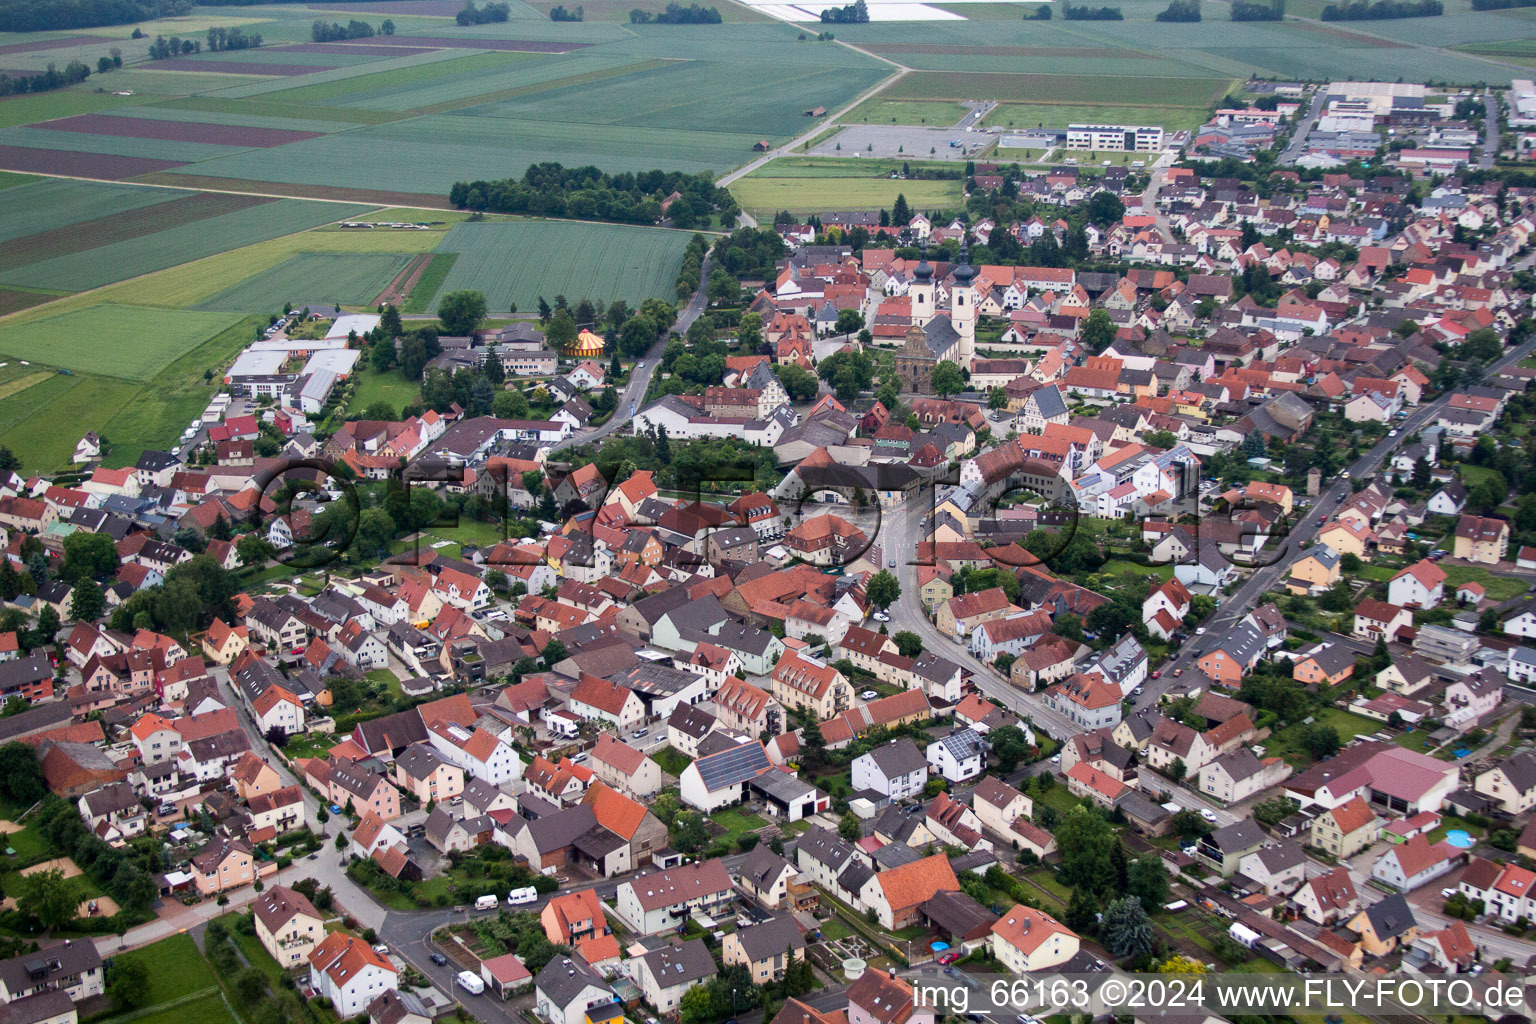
point(1417, 740)
point(835, 928)
point(737, 822)
point(176, 970)
point(1058, 797)
point(1449, 822)
point(671, 761)
point(389, 679)
point(1287, 742)
point(1500, 588)
point(1047, 881)
point(256, 954)
point(28, 843)
point(205, 1009)
point(390, 386)
point(878, 111)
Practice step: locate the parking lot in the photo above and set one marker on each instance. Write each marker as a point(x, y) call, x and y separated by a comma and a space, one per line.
point(896, 141)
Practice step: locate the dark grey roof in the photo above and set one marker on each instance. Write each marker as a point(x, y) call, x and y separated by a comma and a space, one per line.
point(782, 787)
point(560, 830)
point(825, 847)
point(49, 965)
point(679, 965)
point(1240, 835)
point(1282, 856)
point(1520, 770)
point(899, 757)
point(691, 720)
point(565, 978)
point(770, 938)
point(1390, 917)
point(853, 877)
point(762, 867)
point(940, 334)
point(964, 743)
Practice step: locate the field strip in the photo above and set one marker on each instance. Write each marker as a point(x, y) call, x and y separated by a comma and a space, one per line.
point(274, 108)
point(448, 106)
point(317, 193)
point(145, 220)
point(400, 287)
point(20, 384)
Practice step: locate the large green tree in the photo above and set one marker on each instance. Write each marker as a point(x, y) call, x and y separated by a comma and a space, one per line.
point(48, 897)
point(1126, 929)
point(947, 379)
point(1087, 847)
point(460, 312)
point(883, 589)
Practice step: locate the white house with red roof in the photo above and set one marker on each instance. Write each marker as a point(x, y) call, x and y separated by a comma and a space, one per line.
point(1416, 862)
point(345, 969)
point(1025, 939)
point(1420, 585)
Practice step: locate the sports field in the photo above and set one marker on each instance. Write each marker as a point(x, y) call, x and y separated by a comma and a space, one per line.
point(128, 342)
point(518, 261)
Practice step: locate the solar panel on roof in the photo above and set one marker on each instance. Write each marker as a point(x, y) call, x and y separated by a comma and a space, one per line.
point(730, 767)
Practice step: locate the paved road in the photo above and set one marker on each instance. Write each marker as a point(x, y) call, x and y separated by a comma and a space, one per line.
point(1299, 136)
point(633, 395)
point(1490, 130)
point(1155, 182)
point(1268, 577)
point(900, 533)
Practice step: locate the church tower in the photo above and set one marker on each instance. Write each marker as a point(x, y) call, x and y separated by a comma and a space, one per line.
point(962, 305)
point(921, 290)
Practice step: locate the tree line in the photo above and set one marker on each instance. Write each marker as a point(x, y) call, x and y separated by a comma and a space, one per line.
point(232, 39)
point(1086, 13)
point(677, 14)
point(856, 13)
point(1499, 5)
point(586, 193)
point(559, 13)
point(51, 79)
point(320, 32)
point(1181, 10)
point(37, 15)
point(1361, 10)
point(472, 15)
point(1258, 10)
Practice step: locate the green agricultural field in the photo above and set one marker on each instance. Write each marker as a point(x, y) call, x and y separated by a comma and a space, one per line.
point(353, 83)
point(878, 111)
point(426, 155)
point(1059, 115)
point(1057, 88)
point(430, 281)
point(158, 250)
point(769, 194)
point(18, 110)
point(128, 342)
point(518, 261)
point(45, 204)
point(346, 280)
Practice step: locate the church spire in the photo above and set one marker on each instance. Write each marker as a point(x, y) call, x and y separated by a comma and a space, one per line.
point(924, 270)
point(964, 272)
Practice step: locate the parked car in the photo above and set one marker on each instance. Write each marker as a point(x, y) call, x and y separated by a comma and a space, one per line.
point(869, 695)
point(1208, 814)
point(439, 959)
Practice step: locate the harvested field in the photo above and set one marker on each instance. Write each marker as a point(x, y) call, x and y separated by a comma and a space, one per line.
point(80, 165)
point(177, 131)
point(129, 342)
point(19, 384)
point(351, 48)
point(13, 300)
point(92, 234)
point(480, 43)
point(53, 44)
point(239, 67)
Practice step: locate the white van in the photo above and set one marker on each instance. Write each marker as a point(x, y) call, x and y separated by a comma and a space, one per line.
point(487, 903)
point(527, 894)
point(470, 982)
